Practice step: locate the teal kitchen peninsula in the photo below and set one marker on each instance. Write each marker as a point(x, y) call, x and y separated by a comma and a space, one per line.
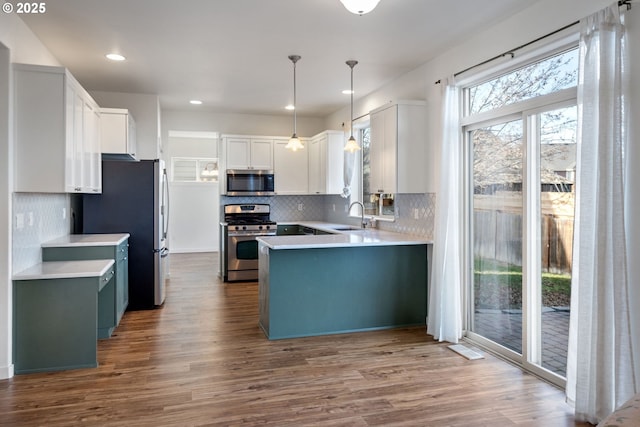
point(347, 281)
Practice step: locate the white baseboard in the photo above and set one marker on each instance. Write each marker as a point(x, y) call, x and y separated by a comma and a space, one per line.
point(6, 372)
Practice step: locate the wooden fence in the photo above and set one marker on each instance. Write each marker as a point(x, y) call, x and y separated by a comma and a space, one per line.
point(498, 232)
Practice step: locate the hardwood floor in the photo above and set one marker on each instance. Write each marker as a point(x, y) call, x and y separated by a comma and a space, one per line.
point(202, 360)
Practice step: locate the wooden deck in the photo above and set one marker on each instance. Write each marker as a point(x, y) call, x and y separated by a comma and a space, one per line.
point(202, 360)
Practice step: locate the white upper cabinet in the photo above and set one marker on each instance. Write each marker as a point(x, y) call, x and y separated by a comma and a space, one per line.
point(118, 132)
point(92, 165)
point(326, 162)
point(290, 168)
point(57, 132)
point(248, 153)
point(398, 148)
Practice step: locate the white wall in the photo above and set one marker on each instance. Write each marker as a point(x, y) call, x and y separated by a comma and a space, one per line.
point(244, 124)
point(17, 44)
point(5, 218)
point(195, 207)
point(145, 110)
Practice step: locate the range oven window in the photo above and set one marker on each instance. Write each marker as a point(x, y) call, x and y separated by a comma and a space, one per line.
point(247, 250)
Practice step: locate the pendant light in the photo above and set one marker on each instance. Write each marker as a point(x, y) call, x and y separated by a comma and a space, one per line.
point(352, 145)
point(294, 143)
point(360, 7)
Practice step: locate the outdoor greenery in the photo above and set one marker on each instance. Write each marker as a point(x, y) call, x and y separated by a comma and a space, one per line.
point(499, 285)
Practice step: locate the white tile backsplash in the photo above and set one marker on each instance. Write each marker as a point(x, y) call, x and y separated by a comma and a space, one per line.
point(405, 221)
point(37, 218)
point(284, 208)
point(321, 208)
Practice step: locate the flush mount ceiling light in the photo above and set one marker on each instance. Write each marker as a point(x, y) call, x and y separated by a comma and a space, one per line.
point(352, 145)
point(294, 143)
point(115, 57)
point(195, 102)
point(360, 7)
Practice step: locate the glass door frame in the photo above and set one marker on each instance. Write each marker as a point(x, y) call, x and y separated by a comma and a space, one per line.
point(527, 111)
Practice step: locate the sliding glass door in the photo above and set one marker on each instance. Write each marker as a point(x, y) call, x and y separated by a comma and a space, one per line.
point(520, 131)
point(497, 238)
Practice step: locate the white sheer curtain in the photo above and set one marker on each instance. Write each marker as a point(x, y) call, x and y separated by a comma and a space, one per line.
point(600, 374)
point(445, 305)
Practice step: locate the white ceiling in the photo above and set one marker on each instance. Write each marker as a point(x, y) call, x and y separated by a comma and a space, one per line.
point(232, 54)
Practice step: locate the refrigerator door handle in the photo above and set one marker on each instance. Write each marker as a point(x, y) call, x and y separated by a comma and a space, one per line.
point(165, 204)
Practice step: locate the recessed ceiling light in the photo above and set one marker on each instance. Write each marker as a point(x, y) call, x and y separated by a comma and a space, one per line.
point(290, 107)
point(195, 102)
point(115, 57)
point(347, 92)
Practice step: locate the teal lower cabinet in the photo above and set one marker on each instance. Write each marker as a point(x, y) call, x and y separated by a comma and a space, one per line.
point(113, 302)
point(55, 318)
point(318, 291)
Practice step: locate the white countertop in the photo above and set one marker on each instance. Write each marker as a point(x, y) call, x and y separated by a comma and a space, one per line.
point(342, 238)
point(65, 269)
point(86, 240)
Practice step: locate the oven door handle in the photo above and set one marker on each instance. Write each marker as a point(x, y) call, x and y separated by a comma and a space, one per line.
point(251, 234)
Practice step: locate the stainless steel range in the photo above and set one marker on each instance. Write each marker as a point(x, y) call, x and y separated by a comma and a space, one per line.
point(239, 248)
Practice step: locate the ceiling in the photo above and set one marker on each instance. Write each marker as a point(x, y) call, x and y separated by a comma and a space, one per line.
point(232, 54)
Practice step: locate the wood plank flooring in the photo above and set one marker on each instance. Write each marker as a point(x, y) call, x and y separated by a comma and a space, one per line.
point(202, 360)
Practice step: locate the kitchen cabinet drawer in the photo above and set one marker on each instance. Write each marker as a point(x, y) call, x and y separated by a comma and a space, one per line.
point(288, 230)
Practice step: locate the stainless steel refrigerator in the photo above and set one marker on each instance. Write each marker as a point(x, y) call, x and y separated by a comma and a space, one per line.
point(135, 200)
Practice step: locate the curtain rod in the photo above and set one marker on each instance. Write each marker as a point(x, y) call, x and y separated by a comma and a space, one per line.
point(511, 53)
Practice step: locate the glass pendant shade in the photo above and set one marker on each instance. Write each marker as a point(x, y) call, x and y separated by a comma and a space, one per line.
point(352, 145)
point(360, 7)
point(294, 143)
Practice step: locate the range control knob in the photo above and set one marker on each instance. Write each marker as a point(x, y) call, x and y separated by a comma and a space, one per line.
point(259, 227)
point(244, 227)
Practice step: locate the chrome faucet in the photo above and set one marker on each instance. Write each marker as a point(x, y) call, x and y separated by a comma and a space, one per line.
point(364, 224)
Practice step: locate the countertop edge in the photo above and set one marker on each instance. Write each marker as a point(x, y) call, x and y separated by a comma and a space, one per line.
point(79, 240)
point(65, 270)
point(338, 238)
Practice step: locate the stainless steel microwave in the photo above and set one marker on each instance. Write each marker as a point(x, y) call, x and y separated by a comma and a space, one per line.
point(250, 182)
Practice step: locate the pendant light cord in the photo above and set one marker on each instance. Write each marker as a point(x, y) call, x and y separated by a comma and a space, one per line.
point(294, 59)
point(295, 132)
point(351, 101)
point(352, 63)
